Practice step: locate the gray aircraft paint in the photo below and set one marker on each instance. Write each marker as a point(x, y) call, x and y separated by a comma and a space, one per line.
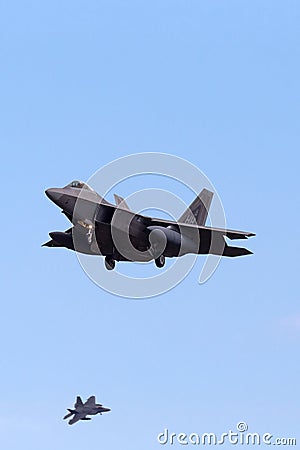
point(119, 234)
point(82, 410)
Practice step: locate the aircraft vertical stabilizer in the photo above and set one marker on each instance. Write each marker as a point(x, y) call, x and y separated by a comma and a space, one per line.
point(120, 201)
point(198, 210)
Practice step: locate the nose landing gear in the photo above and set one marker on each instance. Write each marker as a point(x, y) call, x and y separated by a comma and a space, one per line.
point(160, 261)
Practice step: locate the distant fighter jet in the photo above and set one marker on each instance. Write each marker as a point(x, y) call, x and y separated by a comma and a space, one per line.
point(119, 234)
point(82, 410)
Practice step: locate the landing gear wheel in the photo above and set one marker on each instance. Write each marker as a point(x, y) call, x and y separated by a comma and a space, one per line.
point(109, 263)
point(160, 262)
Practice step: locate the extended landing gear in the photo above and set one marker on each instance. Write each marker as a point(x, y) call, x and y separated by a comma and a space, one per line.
point(109, 263)
point(160, 262)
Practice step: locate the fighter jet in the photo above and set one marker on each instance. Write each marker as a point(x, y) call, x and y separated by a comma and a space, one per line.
point(82, 410)
point(119, 234)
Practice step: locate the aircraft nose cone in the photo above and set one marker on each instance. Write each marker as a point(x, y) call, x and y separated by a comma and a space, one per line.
point(53, 195)
point(62, 199)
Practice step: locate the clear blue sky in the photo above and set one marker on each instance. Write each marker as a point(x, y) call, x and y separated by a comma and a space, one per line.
point(83, 83)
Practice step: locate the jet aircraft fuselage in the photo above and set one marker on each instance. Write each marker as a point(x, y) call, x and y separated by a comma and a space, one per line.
point(82, 410)
point(119, 234)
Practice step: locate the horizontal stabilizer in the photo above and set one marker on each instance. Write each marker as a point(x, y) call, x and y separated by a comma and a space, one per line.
point(236, 251)
point(68, 415)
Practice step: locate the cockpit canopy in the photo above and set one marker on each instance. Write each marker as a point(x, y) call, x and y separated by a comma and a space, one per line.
point(79, 185)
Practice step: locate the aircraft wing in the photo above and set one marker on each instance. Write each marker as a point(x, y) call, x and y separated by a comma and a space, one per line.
point(231, 234)
point(211, 240)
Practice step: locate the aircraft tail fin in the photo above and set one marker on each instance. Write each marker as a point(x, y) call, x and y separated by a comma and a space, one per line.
point(91, 401)
point(120, 201)
point(197, 212)
point(78, 403)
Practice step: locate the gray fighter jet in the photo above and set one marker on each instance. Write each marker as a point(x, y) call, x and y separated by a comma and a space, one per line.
point(82, 410)
point(119, 234)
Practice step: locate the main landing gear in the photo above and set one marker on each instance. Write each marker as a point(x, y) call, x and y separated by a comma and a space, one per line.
point(160, 261)
point(109, 263)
